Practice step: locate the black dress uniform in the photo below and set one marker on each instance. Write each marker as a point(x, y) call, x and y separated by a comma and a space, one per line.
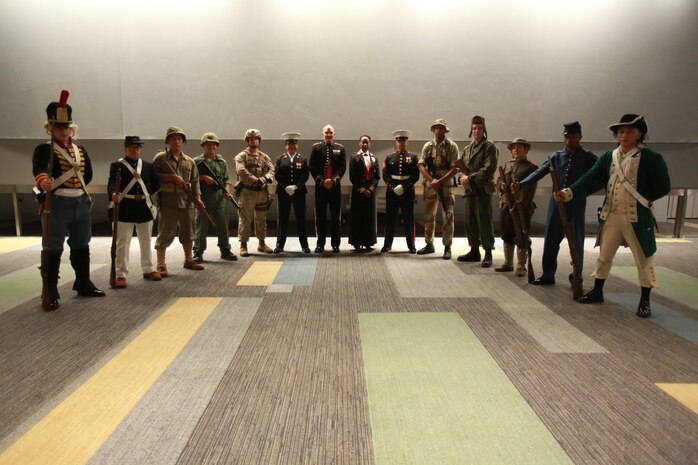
point(400, 169)
point(362, 230)
point(133, 208)
point(328, 161)
point(291, 170)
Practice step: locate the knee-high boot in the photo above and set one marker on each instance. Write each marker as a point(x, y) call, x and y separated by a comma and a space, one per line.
point(80, 261)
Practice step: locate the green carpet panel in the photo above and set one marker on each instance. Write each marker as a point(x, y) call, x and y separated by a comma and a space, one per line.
point(436, 396)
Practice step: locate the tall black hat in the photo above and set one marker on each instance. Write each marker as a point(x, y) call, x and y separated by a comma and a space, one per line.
point(60, 112)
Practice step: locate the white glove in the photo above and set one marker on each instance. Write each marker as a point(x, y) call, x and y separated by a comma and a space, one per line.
point(291, 189)
point(399, 190)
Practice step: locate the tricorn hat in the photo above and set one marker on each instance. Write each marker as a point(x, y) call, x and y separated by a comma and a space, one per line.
point(133, 140)
point(630, 119)
point(60, 112)
point(440, 122)
point(477, 119)
point(519, 140)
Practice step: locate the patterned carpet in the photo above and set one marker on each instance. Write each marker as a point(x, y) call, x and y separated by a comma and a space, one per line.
point(347, 359)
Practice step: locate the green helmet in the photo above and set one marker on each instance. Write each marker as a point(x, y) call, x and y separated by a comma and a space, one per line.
point(175, 130)
point(253, 133)
point(210, 137)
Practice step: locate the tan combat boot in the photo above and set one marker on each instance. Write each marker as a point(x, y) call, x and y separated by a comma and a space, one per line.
point(508, 259)
point(243, 250)
point(521, 256)
point(161, 267)
point(189, 262)
point(264, 248)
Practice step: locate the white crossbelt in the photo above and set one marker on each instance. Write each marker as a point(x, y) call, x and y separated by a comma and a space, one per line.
point(137, 179)
point(73, 172)
point(618, 173)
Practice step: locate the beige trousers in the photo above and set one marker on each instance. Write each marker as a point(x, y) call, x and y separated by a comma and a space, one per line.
point(253, 209)
point(616, 230)
point(431, 207)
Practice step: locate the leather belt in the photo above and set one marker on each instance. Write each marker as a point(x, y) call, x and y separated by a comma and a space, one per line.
point(254, 188)
point(399, 178)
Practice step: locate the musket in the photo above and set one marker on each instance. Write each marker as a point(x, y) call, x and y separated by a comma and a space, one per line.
point(577, 290)
point(219, 182)
point(524, 231)
point(166, 168)
point(46, 225)
point(115, 228)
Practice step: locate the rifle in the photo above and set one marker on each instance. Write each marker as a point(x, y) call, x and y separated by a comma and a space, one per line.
point(46, 226)
point(166, 168)
point(577, 290)
point(207, 171)
point(524, 231)
point(115, 228)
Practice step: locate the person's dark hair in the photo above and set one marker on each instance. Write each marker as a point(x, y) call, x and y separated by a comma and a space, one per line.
point(640, 141)
point(367, 136)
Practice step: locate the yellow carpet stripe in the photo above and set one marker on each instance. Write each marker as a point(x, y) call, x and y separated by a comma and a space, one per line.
point(72, 432)
point(260, 274)
point(687, 394)
point(10, 244)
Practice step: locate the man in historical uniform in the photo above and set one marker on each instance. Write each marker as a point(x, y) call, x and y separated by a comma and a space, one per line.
point(635, 177)
point(570, 164)
point(64, 169)
point(438, 166)
point(136, 209)
point(328, 162)
point(291, 174)
point(400, 173)
point(177, 173)
point(478, 164)
point(255, 171)
point(214, 198)
point(514, 170)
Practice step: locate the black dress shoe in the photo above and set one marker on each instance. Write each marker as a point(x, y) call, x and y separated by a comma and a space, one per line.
point(306, 249)
point(278, 250)
point(94, 292)
point(335, 249)
point(643, 309)
point(319, 249)
point(472, 256)
point(543, 281)
point(412, 251)
point(52, 305)
point(429, 248)
point(385, 249)
point(591, 297)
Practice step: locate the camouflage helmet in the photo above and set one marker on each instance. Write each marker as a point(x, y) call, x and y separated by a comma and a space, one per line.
point(175, 130)
point(210, 137)
point(253, 133)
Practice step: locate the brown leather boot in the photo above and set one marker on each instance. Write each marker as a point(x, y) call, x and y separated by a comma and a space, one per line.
point(243, 250)
point(508, 259)
point(189, 262)
point(264, 248)
point(521, 256)
point(161, 266)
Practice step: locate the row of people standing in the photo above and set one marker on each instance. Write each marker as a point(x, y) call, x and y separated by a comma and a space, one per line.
point(633, 176)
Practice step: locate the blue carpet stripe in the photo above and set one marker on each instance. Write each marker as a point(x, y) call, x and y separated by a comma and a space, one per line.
point(299, 271)
point(662, 315)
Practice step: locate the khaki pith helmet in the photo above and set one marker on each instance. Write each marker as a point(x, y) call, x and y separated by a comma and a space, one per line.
point(210, 137)
point(175, 130)
point(253, 133)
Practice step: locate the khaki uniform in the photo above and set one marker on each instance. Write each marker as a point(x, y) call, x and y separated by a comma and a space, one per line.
point(441, 157)
point(481, 162)
point(176, 210)
point(255, 172)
